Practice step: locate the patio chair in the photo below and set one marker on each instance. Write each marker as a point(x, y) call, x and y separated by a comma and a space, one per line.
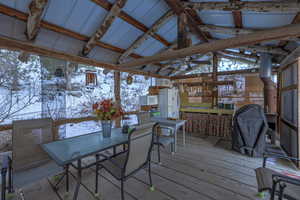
point(161, 139)
point(277, 184)
point(137, 156)
point(28, 162)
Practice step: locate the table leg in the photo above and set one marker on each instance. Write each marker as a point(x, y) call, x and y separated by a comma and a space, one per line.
point(175, 145)
point(183, 134)
point(67, 178)
point(114, 150)
point(78, 180)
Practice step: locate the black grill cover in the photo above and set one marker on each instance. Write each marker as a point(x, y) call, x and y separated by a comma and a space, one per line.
point(249, 130)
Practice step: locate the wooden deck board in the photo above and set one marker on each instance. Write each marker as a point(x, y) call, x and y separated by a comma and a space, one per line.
point(203, 170)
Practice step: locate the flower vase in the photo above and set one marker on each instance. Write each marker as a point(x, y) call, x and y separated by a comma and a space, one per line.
point(106, 128)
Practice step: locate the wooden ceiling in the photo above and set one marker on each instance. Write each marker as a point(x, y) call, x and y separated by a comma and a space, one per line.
point(247, 42)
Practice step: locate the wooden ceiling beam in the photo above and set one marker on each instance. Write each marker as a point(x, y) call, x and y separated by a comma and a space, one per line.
point(289, 31)
point(243, 60)
point(126, 17)
point(236, 31)
point(177, 7)
point(17, 45)
point(161, 21)
point(36, 9)
point(243, 71)
point(226, 30)
point(237, 16)
point(239, 54)
point(190, 70)
point(291, 57)
point(182, 34)
point(296, 20)
point(52, 27)
point(108, 20)
point(264, 49)
point(261, 6)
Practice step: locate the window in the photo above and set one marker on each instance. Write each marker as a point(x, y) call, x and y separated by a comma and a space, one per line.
point(90, 78)
point(130, 92)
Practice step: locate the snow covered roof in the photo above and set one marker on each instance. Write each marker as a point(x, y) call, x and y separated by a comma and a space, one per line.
point(67, 25)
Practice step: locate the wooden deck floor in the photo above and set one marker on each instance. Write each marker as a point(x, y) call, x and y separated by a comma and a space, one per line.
point(205, 169)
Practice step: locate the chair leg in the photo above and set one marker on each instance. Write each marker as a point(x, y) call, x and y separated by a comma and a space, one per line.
point(150, 177)
point(158, 153)
point(122, 189)
point(3, 184)
point(67, 179)
point(97, 175)
point(281, 190)
point(10, 177)
point(149, 173)
point(273, 189)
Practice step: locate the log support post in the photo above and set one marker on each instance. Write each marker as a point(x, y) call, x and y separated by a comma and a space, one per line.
point(215, 79)
point(182, 37)
point(117, 91)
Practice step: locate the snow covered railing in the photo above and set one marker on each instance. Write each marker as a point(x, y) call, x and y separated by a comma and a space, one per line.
point(60, 122)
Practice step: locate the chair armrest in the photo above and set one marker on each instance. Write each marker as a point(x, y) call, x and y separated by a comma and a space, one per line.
point(271, 155)
point(286, 179)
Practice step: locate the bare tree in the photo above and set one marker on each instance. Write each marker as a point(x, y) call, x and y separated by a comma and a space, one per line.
point(19, 83)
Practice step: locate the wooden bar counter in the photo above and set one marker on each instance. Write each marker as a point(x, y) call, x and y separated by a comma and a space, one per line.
point(208, 122)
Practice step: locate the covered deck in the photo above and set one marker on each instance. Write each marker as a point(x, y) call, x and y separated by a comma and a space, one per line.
point(206, 168)
point(197, 93)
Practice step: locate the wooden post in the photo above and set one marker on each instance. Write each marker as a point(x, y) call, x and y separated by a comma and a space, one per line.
point(117, 85)
point(182, 33)
point(215, 78)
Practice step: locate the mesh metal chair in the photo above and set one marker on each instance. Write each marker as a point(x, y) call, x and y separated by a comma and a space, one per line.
point(160, 139)
point(277, 184)
point(137, 156)
point(28, 163)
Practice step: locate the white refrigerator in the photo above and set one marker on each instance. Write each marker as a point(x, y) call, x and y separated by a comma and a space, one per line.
point(169, 103)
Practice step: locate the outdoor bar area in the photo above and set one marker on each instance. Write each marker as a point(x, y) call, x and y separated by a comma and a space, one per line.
point(149, 99)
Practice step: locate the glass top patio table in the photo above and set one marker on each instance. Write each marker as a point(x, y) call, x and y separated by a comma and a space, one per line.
point(68, 150)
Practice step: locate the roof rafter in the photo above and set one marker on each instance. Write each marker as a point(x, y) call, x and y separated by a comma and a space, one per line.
point(126, 17)
point(264, 49)
point(237, 16)
point(242, 40)
point(239, 54)
point(296, 20)
point(36, 9)
point(150, 32)
point(14, 44)
point(108, 20)
point(243, 60)
point(235, 31)
point(291, 57)
point(23, 16)
point(177, 7)
point(257, 6)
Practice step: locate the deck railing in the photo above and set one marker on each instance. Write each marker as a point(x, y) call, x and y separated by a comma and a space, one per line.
point(63, 121)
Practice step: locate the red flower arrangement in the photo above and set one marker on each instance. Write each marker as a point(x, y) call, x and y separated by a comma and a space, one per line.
point(107, 110)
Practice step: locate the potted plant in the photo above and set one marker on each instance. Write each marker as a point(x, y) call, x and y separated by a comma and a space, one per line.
point(106, 111)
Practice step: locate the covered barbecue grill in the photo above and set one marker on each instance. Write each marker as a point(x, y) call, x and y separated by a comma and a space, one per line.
point(249, 130)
